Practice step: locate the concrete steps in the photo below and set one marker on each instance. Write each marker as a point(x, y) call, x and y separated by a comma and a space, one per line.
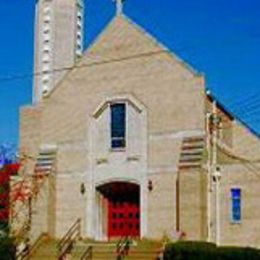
point(144, 250)
point(139, 250)
point(46, 250)
point(101, 251)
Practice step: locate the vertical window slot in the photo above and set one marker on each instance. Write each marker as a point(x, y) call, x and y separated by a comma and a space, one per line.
point(236, 204)
point(118, 127)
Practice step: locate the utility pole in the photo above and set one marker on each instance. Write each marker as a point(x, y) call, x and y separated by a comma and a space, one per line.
point(209, 175)
point(216, 171)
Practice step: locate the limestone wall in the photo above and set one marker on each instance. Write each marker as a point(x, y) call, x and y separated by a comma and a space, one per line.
point(193, 204)
point(123, 62)
point(247, 231)
point(162, 205)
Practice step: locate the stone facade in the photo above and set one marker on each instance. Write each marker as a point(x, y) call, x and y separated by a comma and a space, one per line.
point(165, 103)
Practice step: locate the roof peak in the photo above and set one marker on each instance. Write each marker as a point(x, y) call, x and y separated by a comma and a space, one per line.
point(119, 7)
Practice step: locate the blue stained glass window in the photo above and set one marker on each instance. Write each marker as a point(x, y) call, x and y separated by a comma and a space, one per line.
point(118, 125)
point(236, 204)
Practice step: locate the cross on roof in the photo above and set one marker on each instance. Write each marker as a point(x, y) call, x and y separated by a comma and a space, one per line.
point(119, 7)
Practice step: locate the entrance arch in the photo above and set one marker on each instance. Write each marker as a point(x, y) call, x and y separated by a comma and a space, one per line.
point(122, 202)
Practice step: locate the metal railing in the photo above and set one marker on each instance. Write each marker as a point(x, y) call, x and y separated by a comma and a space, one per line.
point(123, 247)
point(66, 243)
point(87, 255)
point(29, 250)
point(22, 233)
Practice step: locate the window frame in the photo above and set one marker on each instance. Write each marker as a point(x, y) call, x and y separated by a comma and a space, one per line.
point(124, 138)
point(234, 219)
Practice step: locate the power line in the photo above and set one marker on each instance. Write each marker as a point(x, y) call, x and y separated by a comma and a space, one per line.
point(249, 164)
point(246, 100)
point(235, 156)
point(69, 68)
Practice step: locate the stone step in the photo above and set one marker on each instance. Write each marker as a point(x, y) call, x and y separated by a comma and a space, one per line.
point(101, 251)
point(138, 250)
point(47, 250)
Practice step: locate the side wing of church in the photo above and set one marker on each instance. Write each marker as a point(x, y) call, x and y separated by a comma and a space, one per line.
point(133, 146)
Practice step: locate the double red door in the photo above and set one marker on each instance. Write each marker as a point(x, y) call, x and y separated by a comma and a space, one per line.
point(123, 219)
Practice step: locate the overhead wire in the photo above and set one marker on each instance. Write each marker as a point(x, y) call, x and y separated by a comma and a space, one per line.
point(24, 76)
point(252, 166)
point(244, 140)
point(61, 69)
point(32, 75)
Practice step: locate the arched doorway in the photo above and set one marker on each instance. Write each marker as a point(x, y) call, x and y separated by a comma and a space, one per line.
point(123, 208)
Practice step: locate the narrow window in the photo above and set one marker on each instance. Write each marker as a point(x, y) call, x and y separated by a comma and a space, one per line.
point(236, 204)
point(118, 125)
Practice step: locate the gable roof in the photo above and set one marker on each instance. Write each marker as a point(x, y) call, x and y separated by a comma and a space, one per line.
point(231, 115)
point(123, 38)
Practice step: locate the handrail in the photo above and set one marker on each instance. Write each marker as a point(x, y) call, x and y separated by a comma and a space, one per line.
point(160, 253)
point(22, 232)
point(119, 245)
point(65, 245)
point(123, 247)
point(24, 254)
point(29, 250)
point(87, 255)
point(36, 243)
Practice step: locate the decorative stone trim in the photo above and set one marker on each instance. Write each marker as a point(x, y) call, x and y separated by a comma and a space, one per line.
point(101, 161)
point(177, 134)
point(133, 158)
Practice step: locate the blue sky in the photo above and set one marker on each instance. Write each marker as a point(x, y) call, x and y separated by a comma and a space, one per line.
point(220, 38)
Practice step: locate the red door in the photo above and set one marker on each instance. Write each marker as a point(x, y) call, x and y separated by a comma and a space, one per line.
point(123, 219)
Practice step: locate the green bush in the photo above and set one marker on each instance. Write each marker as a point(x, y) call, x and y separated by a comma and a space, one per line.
point(238, 253)
point(7, 248)
point(189, 250)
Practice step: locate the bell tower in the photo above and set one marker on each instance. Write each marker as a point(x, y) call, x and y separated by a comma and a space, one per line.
point(58, 42)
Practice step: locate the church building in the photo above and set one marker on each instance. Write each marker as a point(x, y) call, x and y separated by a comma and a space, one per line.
point(130, 141)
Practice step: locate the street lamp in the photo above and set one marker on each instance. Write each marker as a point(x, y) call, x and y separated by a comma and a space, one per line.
point(216, 174)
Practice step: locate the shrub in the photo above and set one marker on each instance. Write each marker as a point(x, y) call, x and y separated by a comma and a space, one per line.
point(238, 253)
point(190, 250)
point(7, 248)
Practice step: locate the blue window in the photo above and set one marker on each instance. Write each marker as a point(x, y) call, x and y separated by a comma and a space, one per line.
point(236, 204)
point(118, 123)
